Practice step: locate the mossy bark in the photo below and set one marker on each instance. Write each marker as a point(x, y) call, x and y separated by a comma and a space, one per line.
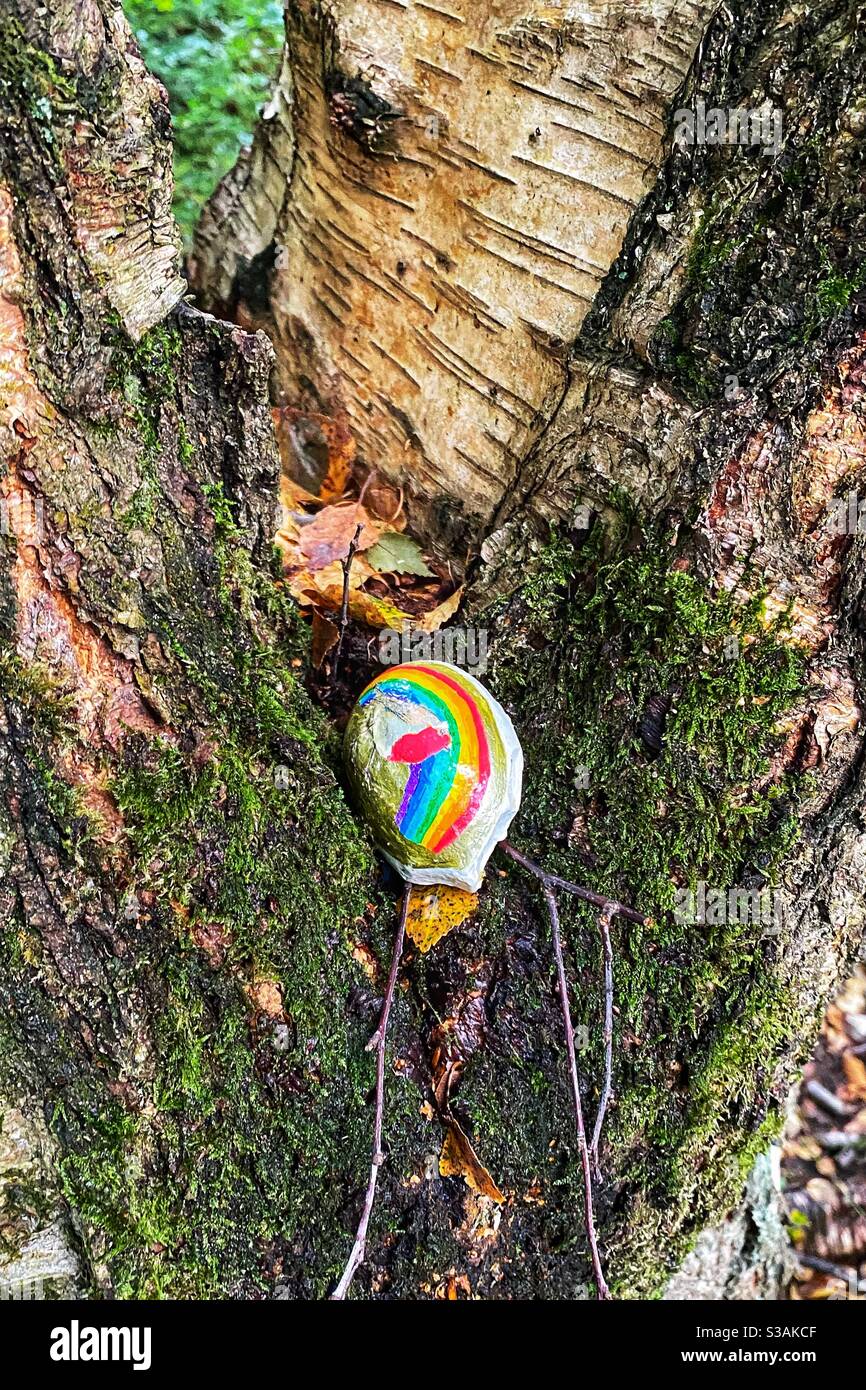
point(193, 920)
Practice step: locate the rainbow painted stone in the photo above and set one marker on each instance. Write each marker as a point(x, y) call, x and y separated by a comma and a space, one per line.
point(436, 768)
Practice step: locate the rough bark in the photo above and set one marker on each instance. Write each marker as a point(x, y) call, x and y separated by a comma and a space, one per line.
point(457, 185)
point(193, 934)
point(714, 389)
point(158, 879)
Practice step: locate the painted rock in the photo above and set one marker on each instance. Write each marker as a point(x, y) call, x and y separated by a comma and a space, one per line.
point(436, 768)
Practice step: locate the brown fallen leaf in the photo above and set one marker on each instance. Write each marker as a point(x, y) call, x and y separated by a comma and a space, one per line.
point(315, 539)
point(365, 958)
point(325, 637)
point(266, 996)
point(214, 939)
point(855, 1075)
point(438, 616)
point(458, 1159)
point(435, 911)
point(328, 536)
point(318, 448)
point(293, 497)
point(385, 502)
point(314, 587)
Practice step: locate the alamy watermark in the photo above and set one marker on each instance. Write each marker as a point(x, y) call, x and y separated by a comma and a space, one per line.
point(729, 125)
point(21, 1290)
point(708, 906)
point(77, 1343)
point(460, 646)
point(848, 515)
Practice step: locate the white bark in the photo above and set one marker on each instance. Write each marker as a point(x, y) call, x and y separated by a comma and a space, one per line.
point(429, 286)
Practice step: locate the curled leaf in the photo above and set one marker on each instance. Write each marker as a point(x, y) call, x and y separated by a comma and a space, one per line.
point(437, 617)
point(458, 1159)
point(325, 637)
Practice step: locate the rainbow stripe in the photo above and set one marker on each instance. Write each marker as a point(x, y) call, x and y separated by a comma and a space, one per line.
point(445, 789)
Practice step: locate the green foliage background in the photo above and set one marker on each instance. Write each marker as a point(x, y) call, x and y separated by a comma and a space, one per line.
point(217, 59)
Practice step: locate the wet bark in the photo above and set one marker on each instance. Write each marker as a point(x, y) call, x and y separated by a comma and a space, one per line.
point(193, 925)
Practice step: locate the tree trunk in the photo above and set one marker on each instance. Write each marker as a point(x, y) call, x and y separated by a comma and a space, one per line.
point(193, 933)
point(446, 189)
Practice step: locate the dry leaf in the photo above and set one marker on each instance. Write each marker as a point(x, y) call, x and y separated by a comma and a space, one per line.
point(364, 608)
point(458, 1159)
point(325, 637)
point(318, 449)
point(384, 501)
point(315, 540)
point(266, 996)
point(365, 958)
point(435, 911)
point(317, 587)
point(855, 1075)
point(438, 616)
point(293, 497)
point(328, 536)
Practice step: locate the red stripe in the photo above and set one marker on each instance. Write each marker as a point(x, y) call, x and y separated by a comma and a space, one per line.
point(483, 759)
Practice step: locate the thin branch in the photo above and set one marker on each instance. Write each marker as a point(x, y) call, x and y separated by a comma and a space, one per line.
point(608, 909)
point(602, 1291)
point(554, 881)
point(604, 927)
point(847, 1273)
point(344, 606)
point(359, 1249)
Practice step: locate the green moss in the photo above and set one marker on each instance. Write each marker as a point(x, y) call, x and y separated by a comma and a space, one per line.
point(227, 1163)
point(631, 630)
point(207, 1172)
point(37, 692)
point(144, 375)
point(605, 631)
point(155, 361)
point(31, 72)
point(710, 248)
point(832, 294)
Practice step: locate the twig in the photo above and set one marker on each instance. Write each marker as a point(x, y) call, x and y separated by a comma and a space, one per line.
point(344, 606)
point(836, 1140)
point(847, 1273)
point(604, 927)
point(608, 909)
point(378, 1041)
point(828, 1101)
point(602, 1291)
point(554, 881)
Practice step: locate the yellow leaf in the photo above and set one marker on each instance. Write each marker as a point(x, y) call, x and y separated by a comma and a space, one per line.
point(435, 911)
point(364, 608)
point(438, 616)
point(458, 1159)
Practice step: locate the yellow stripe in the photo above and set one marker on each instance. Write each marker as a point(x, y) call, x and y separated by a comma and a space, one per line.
point(458, 798)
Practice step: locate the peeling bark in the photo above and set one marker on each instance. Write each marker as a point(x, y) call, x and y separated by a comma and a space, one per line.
point(458, 185)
